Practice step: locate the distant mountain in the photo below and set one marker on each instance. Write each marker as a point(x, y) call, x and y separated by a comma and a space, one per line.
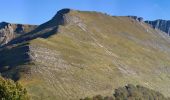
point(82, 53)
point(10, 31)
point(163, 25)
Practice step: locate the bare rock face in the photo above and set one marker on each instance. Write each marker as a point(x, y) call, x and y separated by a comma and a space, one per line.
point(64, 17)
point(59, 17)
point(10, 31)
point(163, 25)
point(6, 33)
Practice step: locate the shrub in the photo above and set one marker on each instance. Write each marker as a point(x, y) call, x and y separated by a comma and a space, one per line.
point(10, 90)
point(131, 92)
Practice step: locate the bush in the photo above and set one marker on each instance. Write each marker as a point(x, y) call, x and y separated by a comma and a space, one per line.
point(131, 92)
point(10, 90)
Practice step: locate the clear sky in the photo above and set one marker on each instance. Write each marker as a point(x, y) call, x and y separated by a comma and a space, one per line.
point(39, 11)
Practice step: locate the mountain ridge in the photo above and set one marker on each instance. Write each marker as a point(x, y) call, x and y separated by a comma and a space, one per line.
point(58, 19)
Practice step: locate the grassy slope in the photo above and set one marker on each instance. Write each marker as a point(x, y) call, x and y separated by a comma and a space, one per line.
point(97, 55)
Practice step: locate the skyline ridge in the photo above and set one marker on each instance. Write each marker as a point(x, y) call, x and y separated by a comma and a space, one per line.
point(36, 12)
point(89, 11)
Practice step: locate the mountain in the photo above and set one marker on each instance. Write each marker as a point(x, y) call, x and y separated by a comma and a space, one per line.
point(163, 25)
point(82, 53)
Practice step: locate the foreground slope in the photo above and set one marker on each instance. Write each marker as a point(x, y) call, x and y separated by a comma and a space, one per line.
point(78, 54)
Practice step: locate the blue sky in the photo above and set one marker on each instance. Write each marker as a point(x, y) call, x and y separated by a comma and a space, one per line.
point(39, 11)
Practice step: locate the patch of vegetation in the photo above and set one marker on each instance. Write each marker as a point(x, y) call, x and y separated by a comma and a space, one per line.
point(131, 92)
point(10, 90)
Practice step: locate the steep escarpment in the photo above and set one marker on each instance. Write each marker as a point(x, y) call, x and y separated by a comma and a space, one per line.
point(163, 25)
point(80, 53)
point(10, 31)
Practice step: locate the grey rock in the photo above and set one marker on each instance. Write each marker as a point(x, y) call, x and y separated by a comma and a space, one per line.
point(64, 17)
point(9, 31)
point(163, 25)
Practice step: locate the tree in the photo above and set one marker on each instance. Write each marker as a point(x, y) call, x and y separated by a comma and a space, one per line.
point(10, 90)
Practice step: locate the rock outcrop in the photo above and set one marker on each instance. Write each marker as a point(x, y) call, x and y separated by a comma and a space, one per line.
point(163, 25)
point(9, 31)
point(63, 17)
point(140, 19)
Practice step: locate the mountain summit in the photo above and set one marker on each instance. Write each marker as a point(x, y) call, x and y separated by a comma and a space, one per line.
point(81, 53)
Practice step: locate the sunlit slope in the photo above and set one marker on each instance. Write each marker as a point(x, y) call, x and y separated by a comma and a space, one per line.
point(93, 53)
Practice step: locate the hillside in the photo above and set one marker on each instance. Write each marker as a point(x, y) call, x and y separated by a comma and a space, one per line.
point(80, 53)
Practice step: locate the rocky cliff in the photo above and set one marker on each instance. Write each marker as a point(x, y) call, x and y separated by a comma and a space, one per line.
point(163, 25)
point(10, 31)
